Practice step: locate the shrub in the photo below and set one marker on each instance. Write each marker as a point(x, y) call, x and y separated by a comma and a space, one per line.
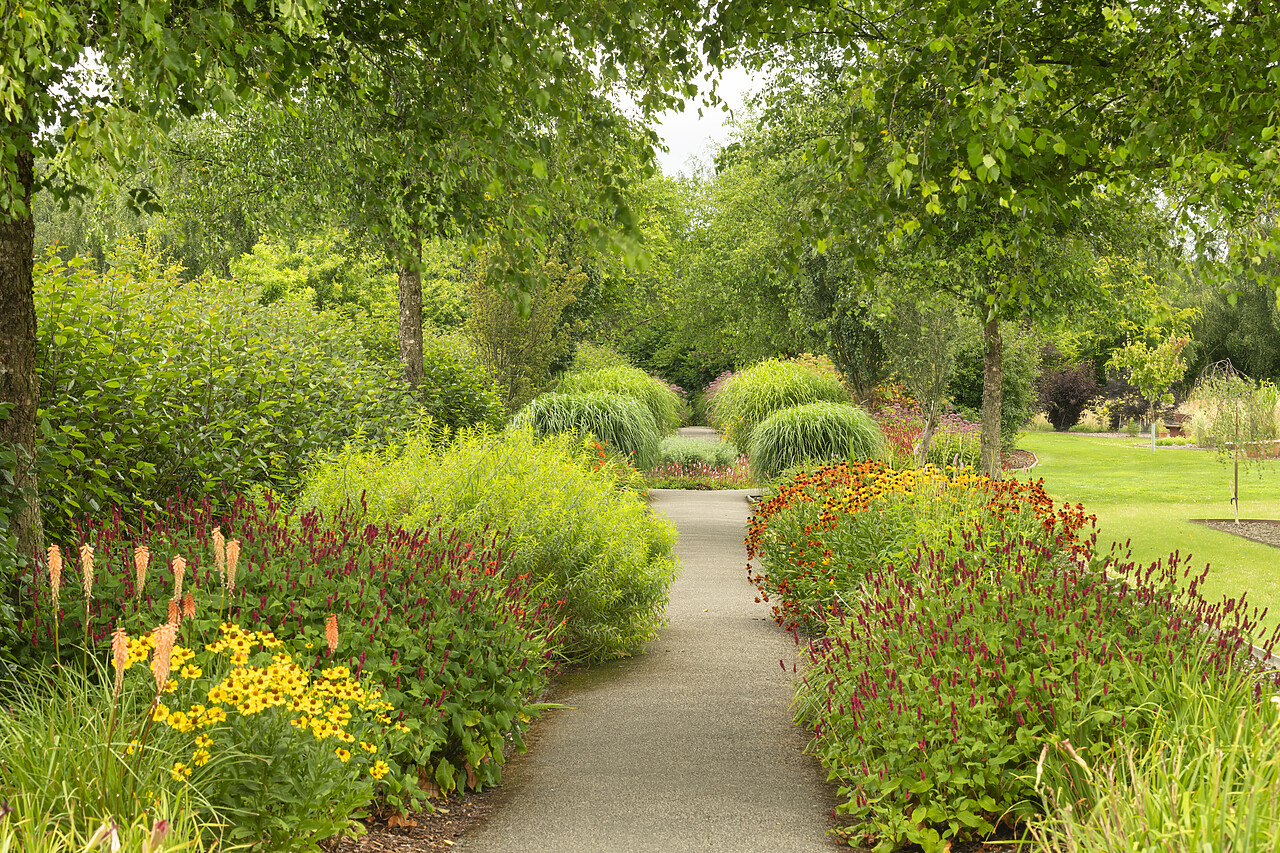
point(590, 357)
point(456, 392)
point(932, 698)
point(1064, 391)
point(677, 450)
point(150, 387)
point(580, 539)
point(440, 622)
point(956, 442)
point(620, 422)
point(757, 392)
point(814, 432)
point(662, 402)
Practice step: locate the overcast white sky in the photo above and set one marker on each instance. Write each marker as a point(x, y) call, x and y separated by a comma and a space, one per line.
point(690, 137)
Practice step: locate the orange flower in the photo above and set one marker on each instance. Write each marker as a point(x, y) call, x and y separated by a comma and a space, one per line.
point(119, 656)
point(220, 553)
point(141, 559)
point(188, 606)
point(166, 634)
point(86, 569)
point(233, 557)
point(55, 573)
point(174, 613)
point(331, 632)
point(179, 566)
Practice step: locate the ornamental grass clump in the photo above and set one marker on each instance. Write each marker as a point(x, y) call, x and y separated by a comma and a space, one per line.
point(814, 433)
point(458, 642)
point(623, 424)
point(583, 542)
point(661, 399)
point(747, 398)
point(934, 693)
point(679, 450)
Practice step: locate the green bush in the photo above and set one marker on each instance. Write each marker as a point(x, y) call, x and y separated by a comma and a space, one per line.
point(621, 423)
point(1021, 369)
point(814, 432)
point(591, 357)
point(456, 390)
point(663, 403)
point(151, 386)
point(750, 396)
point(580, 538)
point(677, 450)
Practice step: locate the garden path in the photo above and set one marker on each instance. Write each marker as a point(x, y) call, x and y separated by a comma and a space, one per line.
point(686, 747)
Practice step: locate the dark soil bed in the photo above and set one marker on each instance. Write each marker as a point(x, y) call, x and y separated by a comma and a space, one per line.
point(425, 833)
point(1266, 531)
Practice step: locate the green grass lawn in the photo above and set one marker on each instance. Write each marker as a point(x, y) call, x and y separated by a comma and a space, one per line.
point(1148, 498)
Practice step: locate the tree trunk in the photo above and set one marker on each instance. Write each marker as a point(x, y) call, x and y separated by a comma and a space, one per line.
point(19, 382)
point(992, 399)
point(410, 334)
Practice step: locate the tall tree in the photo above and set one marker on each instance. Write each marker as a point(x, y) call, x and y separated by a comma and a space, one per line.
point(1022, 111)
point(164, 60)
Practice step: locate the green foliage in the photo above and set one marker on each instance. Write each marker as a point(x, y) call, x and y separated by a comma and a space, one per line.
point(456, 391)
point(753, 394)
point(663, 403)
point(325, 268)
point(66, 773)
point(1021, 368)
point(590, 357)
point(1203, 774)
point(678, 450)
point(1236, 416)
point(814, 432)
point(520, 349)
point(620, 422)
point(1153, 370)
point(152, 387)
point(580, 539)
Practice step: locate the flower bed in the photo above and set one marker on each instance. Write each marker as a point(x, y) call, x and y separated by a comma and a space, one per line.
point(963, 628)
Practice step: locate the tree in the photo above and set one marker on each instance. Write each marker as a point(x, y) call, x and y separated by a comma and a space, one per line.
point(519, 348)
point(919, 337)
point(1240, 417)
point(1153, 370)
point(164, 60)
point(1020, 111)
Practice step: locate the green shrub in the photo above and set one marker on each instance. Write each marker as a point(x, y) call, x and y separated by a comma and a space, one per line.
point(456, 390)
point(455, 638)
point(666, 407)
point(621, 423)
point(748, 397)
point(591, 357)
point(814, 432)
point(677, 450)
point(580, 538)
point(151, 386)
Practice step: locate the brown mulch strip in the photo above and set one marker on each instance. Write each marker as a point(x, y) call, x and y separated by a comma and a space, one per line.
point(425, 833)
point(1261, 530)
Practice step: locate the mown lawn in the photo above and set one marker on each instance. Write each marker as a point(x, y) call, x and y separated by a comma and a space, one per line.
point(1148, 497)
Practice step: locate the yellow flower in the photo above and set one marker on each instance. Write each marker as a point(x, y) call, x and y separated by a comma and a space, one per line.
point(342, 754)
point(180, 771)
point(161, 713)
point(191, 672)
point(379, 769)
point(200, 757)
point(368, 747)
point(132, 747)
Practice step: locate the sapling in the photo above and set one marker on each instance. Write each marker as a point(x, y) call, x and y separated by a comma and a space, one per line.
point(1153, 370)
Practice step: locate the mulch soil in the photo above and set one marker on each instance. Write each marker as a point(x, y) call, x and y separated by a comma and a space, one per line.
point(425, 833)
point(1259, 530)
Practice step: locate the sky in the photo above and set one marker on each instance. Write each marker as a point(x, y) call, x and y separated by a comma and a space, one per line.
point(689, 136)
